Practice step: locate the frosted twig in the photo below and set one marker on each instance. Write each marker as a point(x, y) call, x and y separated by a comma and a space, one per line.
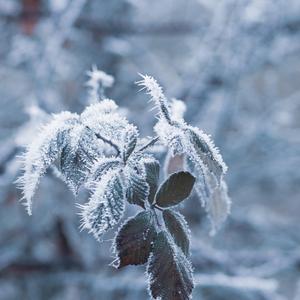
point(157, 96)
point(106, 141)
point(149, 144)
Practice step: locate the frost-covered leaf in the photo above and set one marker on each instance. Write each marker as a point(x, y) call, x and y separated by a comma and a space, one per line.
point(103, 120)
point(219, 206)
point(178, 228)
point(77, 155)
point(157, 96)
point(99, 167)
point(138, 188)
point(170, 272)
point(129, 140)
point(213, 195)
point(184, 139)
point(72, 168)
point(173, 163)
point(204, 151)
point(44, 149)
point(180, 137)
point(134, 240)
point(152, 176)
point(192, 143)
point(201, 186)
point(95, 110)
point(175, 189)
point(106, 205)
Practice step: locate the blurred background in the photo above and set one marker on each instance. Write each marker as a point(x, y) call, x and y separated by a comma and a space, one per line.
point(236, 64)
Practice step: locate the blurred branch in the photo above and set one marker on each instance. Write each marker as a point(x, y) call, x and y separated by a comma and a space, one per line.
point(116, 28)
point(26, 266)
point(124, 28)
point(130, 28)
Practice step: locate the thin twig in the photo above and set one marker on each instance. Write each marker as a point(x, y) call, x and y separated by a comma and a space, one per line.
point(99, 136)
point(156, 218)
point(157, 207)
point(149, 144)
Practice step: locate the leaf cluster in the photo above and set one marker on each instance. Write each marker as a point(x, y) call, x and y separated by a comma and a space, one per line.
point(99, 150)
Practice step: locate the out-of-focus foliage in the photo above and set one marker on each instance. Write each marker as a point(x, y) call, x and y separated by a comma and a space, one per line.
point(236, 65)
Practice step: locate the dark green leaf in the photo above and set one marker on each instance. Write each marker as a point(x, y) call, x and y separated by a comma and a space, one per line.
point(134, 239)
point(205, 153)
point(73, 167)
point(170, 272)
point(106, 205)
point(175, 189)
point(101, 166)
point(138, 189)
point(152, 176)
point(129, 142)
point(178, 228)
point(76, 157)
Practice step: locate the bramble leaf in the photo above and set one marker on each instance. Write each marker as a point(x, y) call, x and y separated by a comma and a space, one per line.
point(170, 272)
point(102, 165)
point(134, 240)
point(138, 189)
point(130, 141)
point(72, 168)
point(152, 176)
point(80, 151)
point(219, 206)
point(106, 205)
point(175, 189)
point(173, 163)
point(178, 228)
point(193, 144)
point(43, 151)
point(213, 195)
point(203, 148)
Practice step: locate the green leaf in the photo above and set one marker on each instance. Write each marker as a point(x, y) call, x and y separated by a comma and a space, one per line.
point(134, 240)
point(106, 205)
point(178, 227)
point(73, 167)
point(102, 165)
point(138, 188)
point(130, 141)
point(45, 148)
point(170, 272)
point(207, 153)
point(175, 189)
point(152, 177)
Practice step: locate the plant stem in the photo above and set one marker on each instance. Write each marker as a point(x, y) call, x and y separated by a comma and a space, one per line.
point(158, 208)
point(149, 144)
point(99, 136)
point(156, 218)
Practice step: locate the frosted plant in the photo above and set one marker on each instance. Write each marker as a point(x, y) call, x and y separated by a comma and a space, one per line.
point(98, 81)
point(99, 150)
point(201, 157)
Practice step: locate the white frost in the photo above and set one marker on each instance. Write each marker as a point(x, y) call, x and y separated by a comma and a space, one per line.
point(42, 152)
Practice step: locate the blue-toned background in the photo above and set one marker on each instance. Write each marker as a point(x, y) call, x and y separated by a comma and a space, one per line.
point(236, 64)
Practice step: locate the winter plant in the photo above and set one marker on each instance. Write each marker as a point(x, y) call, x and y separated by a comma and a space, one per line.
point(102, 152)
